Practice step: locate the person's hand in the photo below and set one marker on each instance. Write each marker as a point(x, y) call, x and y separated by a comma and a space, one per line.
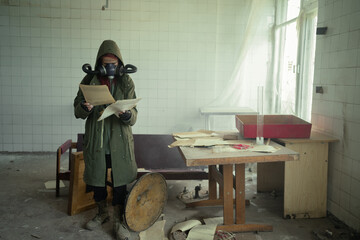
point(87, 106)
point(125, 115)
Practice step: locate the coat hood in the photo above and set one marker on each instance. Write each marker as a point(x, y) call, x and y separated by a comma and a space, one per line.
point(109, 46)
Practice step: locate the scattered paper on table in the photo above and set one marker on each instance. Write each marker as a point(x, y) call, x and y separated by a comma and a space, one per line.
point(222, 149)
point(182, 143)
point(97, 94)
point(206, 142)
point(264, 148)
point(52, 184)
point(197, 134)
point(119, 106)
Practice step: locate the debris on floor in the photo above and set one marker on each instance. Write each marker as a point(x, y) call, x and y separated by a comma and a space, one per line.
point(202, 232)
point(223, 235)
point(214, 220)
point(155, 232)
point(181, 230)
point(52, 184)
point(338, 231)
point(197, 193)
point(195, 230)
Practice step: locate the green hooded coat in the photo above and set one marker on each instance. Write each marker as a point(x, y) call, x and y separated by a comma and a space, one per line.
point(121, 141)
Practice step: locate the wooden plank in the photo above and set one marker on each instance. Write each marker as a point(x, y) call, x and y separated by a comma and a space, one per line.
point(240, 193)
point(217, 175)
point(235, 160)
point(73, 184)
point(206, 203)
point(305, 187)
point(211, 202)
point(228, 195)
point(245, 228)
point(205, 156)
point(314, 137)
point(221, 186)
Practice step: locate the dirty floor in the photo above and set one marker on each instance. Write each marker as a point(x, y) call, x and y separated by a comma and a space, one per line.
point(28, 210)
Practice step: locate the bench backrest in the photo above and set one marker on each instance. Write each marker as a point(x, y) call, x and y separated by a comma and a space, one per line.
point(151, 151)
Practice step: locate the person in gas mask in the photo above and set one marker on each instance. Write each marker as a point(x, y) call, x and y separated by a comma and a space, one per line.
point(108, 143)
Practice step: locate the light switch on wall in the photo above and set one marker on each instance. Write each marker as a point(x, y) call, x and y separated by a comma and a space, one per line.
point(319, 89)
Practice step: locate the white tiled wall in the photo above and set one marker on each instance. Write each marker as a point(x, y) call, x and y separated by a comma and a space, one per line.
point(337, 111)
point(179, 47)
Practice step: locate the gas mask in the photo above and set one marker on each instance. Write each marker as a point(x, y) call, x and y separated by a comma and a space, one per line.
point(110, 70)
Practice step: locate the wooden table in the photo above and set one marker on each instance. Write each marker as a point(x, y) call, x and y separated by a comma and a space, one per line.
point(224, 177)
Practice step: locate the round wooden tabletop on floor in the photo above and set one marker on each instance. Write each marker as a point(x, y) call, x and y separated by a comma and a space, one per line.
point(146, 201)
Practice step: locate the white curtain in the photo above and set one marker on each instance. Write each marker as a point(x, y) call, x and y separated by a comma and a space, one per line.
point(253, 59)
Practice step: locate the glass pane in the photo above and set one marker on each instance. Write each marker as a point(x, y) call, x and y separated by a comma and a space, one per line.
point(293, 9)
point(288, 71)
point(307, 74)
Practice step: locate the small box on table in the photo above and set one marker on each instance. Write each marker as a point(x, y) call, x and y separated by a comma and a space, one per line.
point(275, 126)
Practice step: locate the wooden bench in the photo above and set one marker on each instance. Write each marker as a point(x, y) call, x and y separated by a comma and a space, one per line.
point(152, 155)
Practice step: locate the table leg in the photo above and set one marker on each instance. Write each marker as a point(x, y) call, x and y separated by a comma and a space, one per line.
point(228, 195)
point(240, 225)
point(215, 177)
point(221, 186)
point(227, 200)
point(239, 193)
point(212, 183)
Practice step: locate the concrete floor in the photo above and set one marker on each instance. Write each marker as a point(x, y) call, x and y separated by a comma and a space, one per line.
point(30, 211)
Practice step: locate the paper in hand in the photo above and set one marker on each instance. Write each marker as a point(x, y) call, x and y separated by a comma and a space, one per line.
point(119, 106)
point(97, 94)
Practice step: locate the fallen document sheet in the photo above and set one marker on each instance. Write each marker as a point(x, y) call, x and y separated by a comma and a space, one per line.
point(119, 106)
point(202, 232)
point(185, 226)
point(155, 232)
point(214, 220)
point(97, 94)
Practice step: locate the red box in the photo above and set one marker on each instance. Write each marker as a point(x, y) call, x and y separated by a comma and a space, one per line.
point(275, 126)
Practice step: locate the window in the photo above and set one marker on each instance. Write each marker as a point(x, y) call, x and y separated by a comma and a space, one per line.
point(294, 56)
